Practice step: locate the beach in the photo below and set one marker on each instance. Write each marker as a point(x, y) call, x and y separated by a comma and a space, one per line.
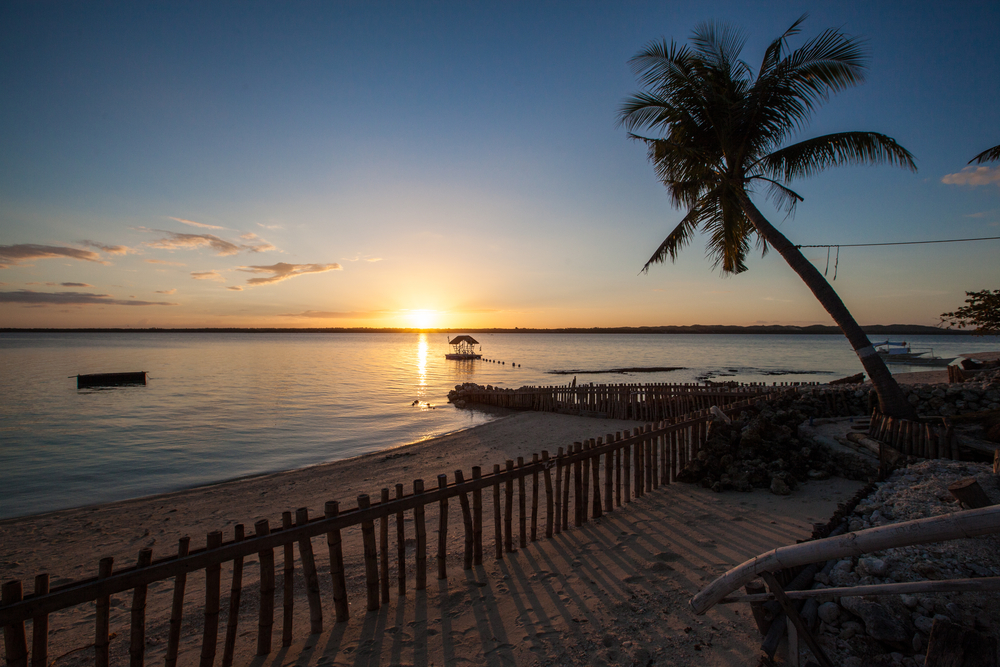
point(612, 591)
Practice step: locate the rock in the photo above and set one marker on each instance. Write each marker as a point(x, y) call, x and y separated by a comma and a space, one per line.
point(872, 567)
point(909, 601)
point(829, 612)
point(849, 629)
point(779, 487)
point(880, 621)
point(923, 624)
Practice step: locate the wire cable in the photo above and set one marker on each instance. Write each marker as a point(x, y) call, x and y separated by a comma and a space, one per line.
point(867, 245)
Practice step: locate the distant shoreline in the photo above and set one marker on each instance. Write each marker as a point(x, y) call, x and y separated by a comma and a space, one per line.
point(875, 330)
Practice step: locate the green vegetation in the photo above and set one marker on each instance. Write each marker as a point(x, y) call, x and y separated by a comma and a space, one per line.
point(982, 311)
point(722, 134)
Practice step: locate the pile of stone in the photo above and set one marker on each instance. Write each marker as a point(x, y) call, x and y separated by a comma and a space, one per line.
point(947, 400)
point(893, 629)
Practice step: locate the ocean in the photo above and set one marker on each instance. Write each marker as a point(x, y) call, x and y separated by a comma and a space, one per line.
point(221, 406)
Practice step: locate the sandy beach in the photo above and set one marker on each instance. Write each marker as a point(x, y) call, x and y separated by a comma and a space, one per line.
point(613, 591)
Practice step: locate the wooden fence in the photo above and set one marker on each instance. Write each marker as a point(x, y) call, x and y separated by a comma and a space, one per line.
point(586, 480)
point(916, 438)
point(640, 402)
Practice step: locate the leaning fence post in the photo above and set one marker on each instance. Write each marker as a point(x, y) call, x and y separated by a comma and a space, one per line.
point(383, 547)
point(508, 514)
point(497, 519)
point(213, 580)
point(288, 583)
point(102, 621)
point(421, 529)
point(596, 471)
point(521, 505)
point(559, 485)
point(370, 554)
point(265, 623)
point(534, 497)
point(40, 627)
point(608, 465)
point(477, 517)
point(400, 547)
point(177, 606)
point(310, 574)
point(334, 544)
point(463, 499)
point(547, 472)
point(235, 592)
point(442, 530)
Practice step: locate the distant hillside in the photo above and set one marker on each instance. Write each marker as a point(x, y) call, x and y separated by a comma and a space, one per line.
point(872, 330)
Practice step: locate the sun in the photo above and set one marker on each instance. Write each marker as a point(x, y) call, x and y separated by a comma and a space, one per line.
point(422, 318)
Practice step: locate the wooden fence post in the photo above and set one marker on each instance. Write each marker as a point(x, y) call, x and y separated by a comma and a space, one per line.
point(265, 624)
point(550, 518)
point(442, 555)
point(508, 511)
point(400, 547)
point(235, 592)
point(534, 497)
point(370, 555)
point(383, 548)
point(559, 485)
point(608, 464)
point(310, 574)
point(585, 497)
point(103, 620)
point(463, 500)
point(522, 508)
point(595, 467)
point(288, 583)
point(334, 544)
point(627, 468)
point(40, 627)
point(15, 641)
point(577, 486)
point(497, 516)
point(421, 529)
point(213, 585)
point(177, 606)
point(477, 518)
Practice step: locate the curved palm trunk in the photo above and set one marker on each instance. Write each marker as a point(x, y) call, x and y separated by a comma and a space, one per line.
point(891, 400)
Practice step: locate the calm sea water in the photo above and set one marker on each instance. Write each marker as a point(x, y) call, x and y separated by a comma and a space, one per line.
point(221, 406)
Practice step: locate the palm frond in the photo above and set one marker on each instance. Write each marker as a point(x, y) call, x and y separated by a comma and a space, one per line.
point(681, 236)
point(809, 157)
point(988, 155)
point(773, 53)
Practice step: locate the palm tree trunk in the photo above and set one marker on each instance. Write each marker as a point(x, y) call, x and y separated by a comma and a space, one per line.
point(891, 400)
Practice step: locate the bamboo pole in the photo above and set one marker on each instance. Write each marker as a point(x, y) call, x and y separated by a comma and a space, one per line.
point(235, 593)
point(463, 500)
point(177, 606)
point(370, 555)
point(421, 529)
point(477, 517)
point(334, 544)
point(310, 574)
point(103, 620)
point(213, 584)
point(534, 498)
point(383, 548)
point(967, 523)
point(40, 627)
point(288, 584)
point(15, 641)
point(559, 485)
point(550, 518)
point(400, 547)
point(442, 555)
point(265, 624)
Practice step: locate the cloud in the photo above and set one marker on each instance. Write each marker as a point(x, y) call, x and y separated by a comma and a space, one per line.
point(74, 285)
point(28, 297)
point(282, 271)
point(362, 258)
point(974, 176)
point(235, 288)
point(196, 224)
point(175, 240)
point(271, 227)
point(208, 275)
point(326, 314)
point(15, 254)
point(260, 246)
point(163, 261)
point(110, 249)
point(167, 291)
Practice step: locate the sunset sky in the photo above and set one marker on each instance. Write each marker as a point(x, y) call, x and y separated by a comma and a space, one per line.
point(452, 164)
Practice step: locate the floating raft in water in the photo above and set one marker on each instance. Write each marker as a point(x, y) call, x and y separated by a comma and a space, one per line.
point(110, 379)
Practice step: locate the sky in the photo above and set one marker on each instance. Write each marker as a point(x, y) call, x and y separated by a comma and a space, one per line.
point(454, 164)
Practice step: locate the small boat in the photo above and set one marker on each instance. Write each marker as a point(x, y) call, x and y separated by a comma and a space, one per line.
point(463, 347)
point(110, 379)
point(901, 353)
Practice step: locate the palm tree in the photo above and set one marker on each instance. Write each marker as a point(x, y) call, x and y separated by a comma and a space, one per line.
point(988, 155)
point(722, 131)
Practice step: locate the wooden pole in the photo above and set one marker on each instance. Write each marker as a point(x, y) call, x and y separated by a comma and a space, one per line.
point(595, 468)
point(288, 583)
point(585, 498)
point(627, 469)
point(559, 485)
point(508, 511)
point(534, 498)
point(334, 545)
point(383, 548)
point(40, 627)
point(442, 555)
point(421, 529)
point(477, 518)
point(577, 486)
point(265, 623)
point(608, 465)
point(497, 517)
point(235, 593)
point(550, 518)
point(177, 606)
point(14, 638)
point(310, 574)
point(618, 471)
point(522, 509)
point(463, 499)
point(103, 620)
point(400, 547)
point(370, 555)
point(213, 584)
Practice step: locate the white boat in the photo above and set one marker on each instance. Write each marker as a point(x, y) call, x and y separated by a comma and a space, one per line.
point(901, 353)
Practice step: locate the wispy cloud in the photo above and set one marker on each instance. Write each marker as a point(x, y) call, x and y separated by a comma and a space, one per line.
point(257, 244)
point(337, 315)
point(196, 224)
point(165, 262)
point(28, 297)
point(167, 291)
point(24, 252)
point(271, 227)
point(982, 214)
point(110, 249)
point(208, 275)
point(176, 240)
point(974, 176)
point(362, 258)
point(283, 271)
point(235, 288)
point(51, 284)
